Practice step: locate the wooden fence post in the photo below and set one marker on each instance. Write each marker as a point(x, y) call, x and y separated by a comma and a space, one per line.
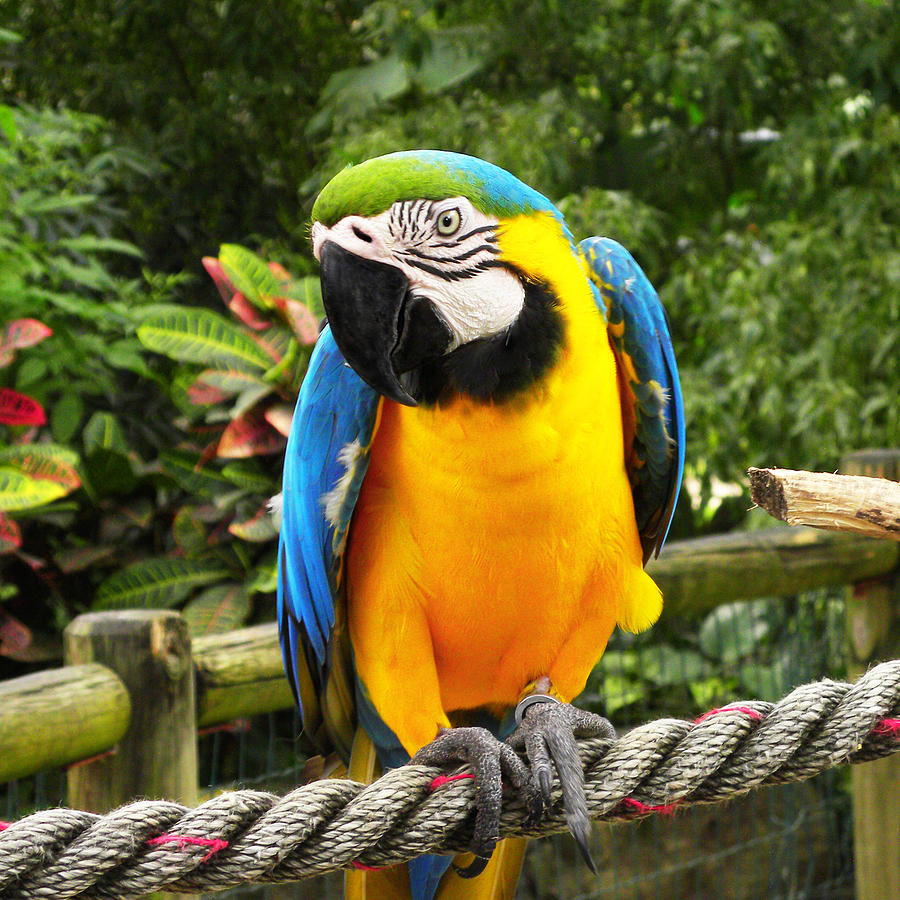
point(873, 631)
point(150, 650)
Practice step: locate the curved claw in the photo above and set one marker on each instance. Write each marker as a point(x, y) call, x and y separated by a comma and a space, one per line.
point(476, 867)
point(490, 760)
point(547, 734)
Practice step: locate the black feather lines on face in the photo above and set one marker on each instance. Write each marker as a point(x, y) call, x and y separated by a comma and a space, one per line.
point(496, 368)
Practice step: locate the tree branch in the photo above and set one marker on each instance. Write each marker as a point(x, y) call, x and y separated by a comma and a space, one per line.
point(868, 506)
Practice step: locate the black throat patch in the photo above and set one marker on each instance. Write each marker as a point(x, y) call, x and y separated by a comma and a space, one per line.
point(496, 368)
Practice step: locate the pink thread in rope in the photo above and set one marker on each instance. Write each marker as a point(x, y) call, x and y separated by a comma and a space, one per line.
point(236, 726)
point(362, 868)
point(445, 779)
point(4, 825)
point(888, 727)
point(83, 762)
point(183, 840)
point(746, 710)
point(667, 810)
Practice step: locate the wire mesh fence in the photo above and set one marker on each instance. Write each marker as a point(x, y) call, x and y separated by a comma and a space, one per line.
point(792, 841)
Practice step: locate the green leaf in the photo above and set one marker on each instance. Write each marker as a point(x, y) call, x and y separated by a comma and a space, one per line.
point(666, 666)
point(619, 691)
point(32, 204)
point(10, 539)
point(182, 467)
point(352, 92)
point(220, 608)
point(249, 274)
point(161, 582)
point(249, 476)
point(734, 630)
point(189, 532)
point(711, 692)
point(91, 275)
point(44, 462)
point(450, 60)
point(231, 381)
point(32, 370)
point(275, 341)
point(308, 291)
point(55, 451)
point(7, 117)
point(201, 336)
point(264, 577)
point(18, 491)
point(109, 472)
point(88, 243)
point(246, 400)
point(257, 529)
point(77, 559)
point(103, 432)
point(620, 662)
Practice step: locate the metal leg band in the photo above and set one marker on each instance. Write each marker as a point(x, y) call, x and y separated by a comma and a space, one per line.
point(530, 700)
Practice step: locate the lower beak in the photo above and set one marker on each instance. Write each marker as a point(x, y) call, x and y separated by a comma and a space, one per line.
point(381, 329)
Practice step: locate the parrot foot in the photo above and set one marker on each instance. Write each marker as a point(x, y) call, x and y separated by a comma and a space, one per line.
point(547, 731)
point(490, 760)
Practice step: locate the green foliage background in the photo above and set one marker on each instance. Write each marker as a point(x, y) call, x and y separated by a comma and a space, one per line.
point(748, 153)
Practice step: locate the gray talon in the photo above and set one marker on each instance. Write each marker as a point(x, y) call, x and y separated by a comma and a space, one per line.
point(476, 867)
point(547, 733)
point(490, 760)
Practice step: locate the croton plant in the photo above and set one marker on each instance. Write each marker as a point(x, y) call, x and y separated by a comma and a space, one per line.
point(107, 522)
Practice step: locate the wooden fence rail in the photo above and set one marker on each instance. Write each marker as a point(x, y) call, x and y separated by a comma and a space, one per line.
point(85, 708)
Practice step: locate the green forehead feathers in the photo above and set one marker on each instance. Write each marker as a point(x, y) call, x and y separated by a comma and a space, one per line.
point(373, 186)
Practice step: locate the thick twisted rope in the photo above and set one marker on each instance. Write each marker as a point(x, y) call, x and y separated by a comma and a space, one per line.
point(251, 836)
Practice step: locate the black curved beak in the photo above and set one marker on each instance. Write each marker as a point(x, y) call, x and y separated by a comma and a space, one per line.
point(382, 330)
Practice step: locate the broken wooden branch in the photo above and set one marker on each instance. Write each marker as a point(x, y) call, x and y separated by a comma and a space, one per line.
point(867, 506)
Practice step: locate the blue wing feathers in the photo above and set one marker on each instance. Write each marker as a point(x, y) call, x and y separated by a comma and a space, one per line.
point(639, 333)
point(334, 409)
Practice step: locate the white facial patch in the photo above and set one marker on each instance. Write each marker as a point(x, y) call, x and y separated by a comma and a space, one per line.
point(448, 252)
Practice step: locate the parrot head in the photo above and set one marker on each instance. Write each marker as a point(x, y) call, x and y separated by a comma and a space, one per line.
point(418, 289)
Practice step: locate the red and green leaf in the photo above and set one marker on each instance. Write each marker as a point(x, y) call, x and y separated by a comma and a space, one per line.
point(20, 409)
point(201, 336)
point(77, 559)
point(10, 534)
point(15, 637)
point(21, 333)
point(202, 394)
point(19, 491)
point(217, 273)
point(249, 274)
point(220, 608)
point(301, 319)
point(281, 273)
point(247, 313)
point(258, 529)
point(280, 417)
point(24, 644)
point(189, 532)
point(161, 582)
point(230, 381)
point(276, 341)
point(44, 462)
point(249, 435)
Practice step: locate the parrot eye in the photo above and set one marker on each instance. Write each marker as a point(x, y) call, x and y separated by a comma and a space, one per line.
point(448, 222)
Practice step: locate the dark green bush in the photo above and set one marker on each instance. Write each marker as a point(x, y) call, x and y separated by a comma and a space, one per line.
point(166, 468)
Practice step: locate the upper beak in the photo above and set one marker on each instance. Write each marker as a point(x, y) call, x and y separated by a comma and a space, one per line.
point(381, 328)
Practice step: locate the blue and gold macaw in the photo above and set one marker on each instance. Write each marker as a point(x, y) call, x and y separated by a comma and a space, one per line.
point(487, 448)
